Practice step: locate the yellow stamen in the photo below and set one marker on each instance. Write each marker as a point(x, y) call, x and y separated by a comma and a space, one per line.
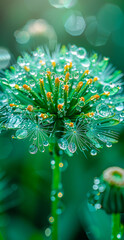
point(71, 124)
point(26, 87)
point(27, 69)
point(30, 108)
point(67, 76)
point(61, 164)
point(54, 64)
point(95, 79)
point(17, 86)
point(48, 73)
point(86, 72)
point(41, 82)
point(70, 65)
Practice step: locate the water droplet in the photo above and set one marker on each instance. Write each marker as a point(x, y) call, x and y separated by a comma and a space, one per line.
point(45, 143)
point(72, 147)
point(85, 62)
point(33, 149)
point(21, 133)
point(108, 144)
point(97, 206)
point(63, 143)
point(93, 152)
point(14, 122)
point(73, 49)
point(47, 232)
point(119, 107)
point(95, 187)
point(53, 164)
point(97, 181)
point(81, 53)
point(103, 110)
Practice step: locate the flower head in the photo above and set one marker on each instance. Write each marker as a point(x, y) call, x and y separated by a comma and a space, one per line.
point(108, 191)
point(74, 96)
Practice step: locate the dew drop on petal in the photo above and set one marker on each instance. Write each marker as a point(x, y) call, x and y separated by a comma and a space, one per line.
point(33, 149)
point(73, 49)
point(119, 107)
point(85, 62)
point(72, 147)
point(63, 143)
point(93, 152)
point(45, 143)
point(21, 133)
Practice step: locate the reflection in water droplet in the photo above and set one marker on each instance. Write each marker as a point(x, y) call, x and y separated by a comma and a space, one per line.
point(119, 107)
point(75, 24)
point(85, 62)
point(72, 147)
point(81, 53)
point(33, 149)
point(103, 110)
point(62, 143)
point(93, 152)
point(21, 133)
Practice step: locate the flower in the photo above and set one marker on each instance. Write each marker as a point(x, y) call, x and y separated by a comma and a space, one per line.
point(108, 191)
point(69, 97)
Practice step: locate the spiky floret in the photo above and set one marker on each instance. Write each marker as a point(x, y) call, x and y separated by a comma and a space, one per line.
point(69, 93)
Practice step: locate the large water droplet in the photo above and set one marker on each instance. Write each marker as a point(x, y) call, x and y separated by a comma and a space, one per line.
point(72, 147)
point(21, 133)
point(103, 110)
point(108, 144)
point(63, 143)
point(33, 149)
point(45, 143)
point(14, 122)
point(85, 62)
point(75, 24)
point(119, 107)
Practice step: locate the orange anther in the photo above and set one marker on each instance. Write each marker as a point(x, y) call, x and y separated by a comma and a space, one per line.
point(89, 81)
point(82, 99)
point(26, 87)
point(12, 105)
point(48, 73)
point(80, 84)
point(41, 81)
point(67, 76)
point(27, 69)
point(70, 65)
point(49, 95)
point(60, 106)
point(86, 71)
point(30, 108)
point(66, 87)
point(90, 114)
point(16, 86)
point(71, 124)
point(57, 81)
point(96, 96)
point(44, 116)
point(54, 64)
point(95, 79)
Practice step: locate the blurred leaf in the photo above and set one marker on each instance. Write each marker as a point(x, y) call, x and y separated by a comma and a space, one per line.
point(1, 237)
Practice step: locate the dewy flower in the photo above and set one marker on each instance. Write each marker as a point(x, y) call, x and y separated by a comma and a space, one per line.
point(68, 97)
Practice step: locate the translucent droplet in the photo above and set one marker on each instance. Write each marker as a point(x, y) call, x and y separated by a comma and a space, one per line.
point(103, 110)
point(119, 107)
point(85, 62)
point(96, 181)
point(53, 164)
point(97, 205)
point(108, 144)
point(47, 232)
point(73, 49)
point(53, 195)
point(75, 24)
point(5, 58)
point(45, 143)
point(72, 147)
point(95, 187)
point(14, 122)
point(81, 53)
point(33, 149)
point(21, 133)
point(63, 143)
point(93, 152)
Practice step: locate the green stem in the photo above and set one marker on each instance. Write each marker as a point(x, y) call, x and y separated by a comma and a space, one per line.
point(116, 226)
point(55, 188)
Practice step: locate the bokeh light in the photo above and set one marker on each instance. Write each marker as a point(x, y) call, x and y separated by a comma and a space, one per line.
point(75, 24)
point(61, 3)
point(5, 58)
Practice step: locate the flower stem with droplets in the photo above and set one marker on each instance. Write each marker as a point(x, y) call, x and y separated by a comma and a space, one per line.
point(116, 227)
point(55, 188)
